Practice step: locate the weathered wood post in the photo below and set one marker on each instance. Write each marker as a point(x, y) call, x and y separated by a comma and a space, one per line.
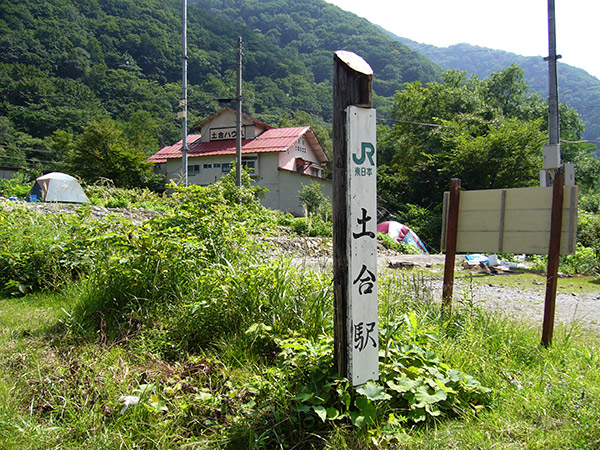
point(553, 257)
point(451, 235)
point(354, 220)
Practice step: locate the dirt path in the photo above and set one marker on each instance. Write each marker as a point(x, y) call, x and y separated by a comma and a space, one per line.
point(522, 299)
point(525, 300)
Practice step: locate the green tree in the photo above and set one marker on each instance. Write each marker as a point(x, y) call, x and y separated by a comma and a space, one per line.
point(103, 151)
point(489, 133)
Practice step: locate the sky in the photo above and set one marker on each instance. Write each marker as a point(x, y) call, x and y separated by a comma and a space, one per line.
point(517, 26)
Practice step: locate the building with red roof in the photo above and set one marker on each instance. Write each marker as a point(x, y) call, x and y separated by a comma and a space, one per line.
point(281, 159)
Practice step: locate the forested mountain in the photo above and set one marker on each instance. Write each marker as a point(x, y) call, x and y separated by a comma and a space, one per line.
point(577, 88)
point(65, 63)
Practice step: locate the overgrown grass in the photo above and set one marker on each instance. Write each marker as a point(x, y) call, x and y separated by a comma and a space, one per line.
point(218, 346)
point(59, 391)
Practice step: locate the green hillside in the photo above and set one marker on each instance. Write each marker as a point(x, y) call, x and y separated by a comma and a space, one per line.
point(65, 63)
point(577, 88)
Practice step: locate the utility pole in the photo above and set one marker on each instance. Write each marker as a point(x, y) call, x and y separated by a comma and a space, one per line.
point(184, 146)
point(553, 117)
point(554, 175)
point(238, 121)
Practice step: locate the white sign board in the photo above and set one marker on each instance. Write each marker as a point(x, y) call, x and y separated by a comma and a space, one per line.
point(363, 361)
point(222, 134)
point(512, 220)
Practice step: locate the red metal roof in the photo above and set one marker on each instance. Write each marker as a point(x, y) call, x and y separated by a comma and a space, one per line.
point(173, 151)
point(272, 140)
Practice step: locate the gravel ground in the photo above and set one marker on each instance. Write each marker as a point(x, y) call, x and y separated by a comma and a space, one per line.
point(523, 299)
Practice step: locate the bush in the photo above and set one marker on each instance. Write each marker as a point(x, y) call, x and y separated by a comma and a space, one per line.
point(585, 261)
point(390, 243)
point(425, 222)
point(17, 186)
point(45, 251)
point(107, 195)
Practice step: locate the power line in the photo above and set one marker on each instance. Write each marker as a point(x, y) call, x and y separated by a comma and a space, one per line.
point(29, 159)
point(410, 122)
point(25, 149)
point(582, 141)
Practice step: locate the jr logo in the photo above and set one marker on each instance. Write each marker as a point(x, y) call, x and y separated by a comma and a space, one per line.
point(366, 151)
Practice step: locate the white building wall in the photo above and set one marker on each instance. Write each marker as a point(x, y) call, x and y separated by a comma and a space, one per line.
point(290, 184)
point(283, 185)
point(227, 120)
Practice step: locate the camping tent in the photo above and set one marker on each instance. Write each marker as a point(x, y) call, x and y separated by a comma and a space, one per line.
point(402, 234)
point(57, 187)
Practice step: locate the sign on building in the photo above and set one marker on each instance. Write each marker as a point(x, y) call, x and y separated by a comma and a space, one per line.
point(362, 247)
point(221, 134)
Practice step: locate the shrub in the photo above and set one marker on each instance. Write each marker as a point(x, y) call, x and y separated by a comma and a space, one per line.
point(401, 247)
point(17, 186)
point(107, 195)
point(44, 251)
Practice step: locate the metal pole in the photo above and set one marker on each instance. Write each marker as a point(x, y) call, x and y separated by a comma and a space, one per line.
point(238, 121)
point(184, 146)
point(553, 115)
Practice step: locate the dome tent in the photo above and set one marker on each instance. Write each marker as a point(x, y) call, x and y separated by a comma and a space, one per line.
point(403, 234)
point(57, 187)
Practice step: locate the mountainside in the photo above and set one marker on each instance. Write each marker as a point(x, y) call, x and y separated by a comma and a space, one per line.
point(577, 88)
point(64, 63)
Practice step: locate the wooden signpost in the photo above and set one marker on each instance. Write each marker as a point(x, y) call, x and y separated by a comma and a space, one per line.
point(525, 220)
point(356, 332)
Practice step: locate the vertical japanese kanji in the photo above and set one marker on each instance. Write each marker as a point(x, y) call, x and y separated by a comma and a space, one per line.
point(362, 246)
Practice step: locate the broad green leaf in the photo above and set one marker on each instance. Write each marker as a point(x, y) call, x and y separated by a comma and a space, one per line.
point(424, 397)
point(357, 419)
point(454, 375)
point(446, 388)
point(367, 410)
point(302, 408)
point(471, 382)
point(321, 412)
point(332, 413)
point(433, 410)
point(303, 396)
point(373, 391)
point(402, 385)
point(417, 415)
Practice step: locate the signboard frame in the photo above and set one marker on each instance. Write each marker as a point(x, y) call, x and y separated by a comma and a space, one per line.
point(511, 220)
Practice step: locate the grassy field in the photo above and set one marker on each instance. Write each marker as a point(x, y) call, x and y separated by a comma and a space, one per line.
point(59, 390)
point(185, 331)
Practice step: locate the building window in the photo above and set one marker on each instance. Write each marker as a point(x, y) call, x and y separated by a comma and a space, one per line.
point(193, 169)
point(302, 165)
point(217, 165)
point(207, 166)
point(226, 167)
point(251, 164)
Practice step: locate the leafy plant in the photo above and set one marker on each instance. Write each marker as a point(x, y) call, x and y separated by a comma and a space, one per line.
point(401, 247)
point(17, 186)
point(414, 385)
